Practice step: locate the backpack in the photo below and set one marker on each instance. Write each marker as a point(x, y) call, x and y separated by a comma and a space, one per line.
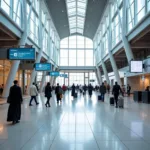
point(60, 91)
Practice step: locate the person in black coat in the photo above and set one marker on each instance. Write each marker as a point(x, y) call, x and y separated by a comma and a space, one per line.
point(103, 91)
point(58, 92)
point(84, 89)
point(14, 99)
point(73, 90)
point(90, 88)
point(48, 94)
point(116, 90)
point(128, 89)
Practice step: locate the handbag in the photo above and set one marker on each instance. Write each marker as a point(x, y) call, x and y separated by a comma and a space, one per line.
point(61, 96)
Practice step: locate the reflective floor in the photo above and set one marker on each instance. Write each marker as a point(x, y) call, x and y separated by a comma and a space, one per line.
point(79, 124)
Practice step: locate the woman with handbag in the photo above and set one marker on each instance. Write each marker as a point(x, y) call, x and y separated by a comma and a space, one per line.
point(48, 94)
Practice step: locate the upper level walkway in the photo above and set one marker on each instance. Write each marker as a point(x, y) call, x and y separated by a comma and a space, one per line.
point(79, 124)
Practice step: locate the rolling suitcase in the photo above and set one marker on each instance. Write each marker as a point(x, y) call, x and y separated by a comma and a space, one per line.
point(120, 102)
point(75, 95)
point(111, 101)
point(99, 97)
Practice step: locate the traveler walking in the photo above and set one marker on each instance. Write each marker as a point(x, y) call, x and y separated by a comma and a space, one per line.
point(108, 88)
point(80, 88)
point(48, 94)
point(90, 88)
point(116, 90)
point(33, 94)
point(73, 90)
point(58, 92)
point(103, 91)
point(1, 90)
point(84, 89)
point(128, 89)
point(14, 99)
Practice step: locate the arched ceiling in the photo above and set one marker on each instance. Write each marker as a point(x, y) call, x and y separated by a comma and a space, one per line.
point(94, 11)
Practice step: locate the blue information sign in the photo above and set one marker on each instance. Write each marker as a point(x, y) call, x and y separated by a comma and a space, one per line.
point(42, 66)
point(54, 73)
point(21, 54)
point(64, 75)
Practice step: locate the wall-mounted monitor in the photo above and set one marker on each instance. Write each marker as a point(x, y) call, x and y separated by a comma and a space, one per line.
point(43, 67)
point(136, 66)
point(64, 75)
point(21, 54)
point(54, 73)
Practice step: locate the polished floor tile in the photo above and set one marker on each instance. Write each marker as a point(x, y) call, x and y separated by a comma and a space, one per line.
point(77, 124)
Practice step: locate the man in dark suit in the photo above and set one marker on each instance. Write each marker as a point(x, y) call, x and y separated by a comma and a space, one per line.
point(58, 92)
point(128, 89)
point(103, 91)
point(14, 99)
point(116, 90)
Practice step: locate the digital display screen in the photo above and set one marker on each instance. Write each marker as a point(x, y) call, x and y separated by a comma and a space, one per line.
point(136, 66)
point(64, 75)
point(54, 73)
point(21, 54)
point(43, 67)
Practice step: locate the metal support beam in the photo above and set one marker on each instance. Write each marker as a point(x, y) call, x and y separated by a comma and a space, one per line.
point(111, 57)
point(15, 64)
point(126, 44)
point(99, 76)
point(105, 72)
point(41, 35)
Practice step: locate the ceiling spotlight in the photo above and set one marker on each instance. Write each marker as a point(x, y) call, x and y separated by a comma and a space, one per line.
point(62, 11)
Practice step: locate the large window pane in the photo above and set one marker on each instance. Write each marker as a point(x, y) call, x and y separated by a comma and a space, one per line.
point(80, 57)
point(72, 57)
point(5, 4)
point(76, 46)
point(140, 9)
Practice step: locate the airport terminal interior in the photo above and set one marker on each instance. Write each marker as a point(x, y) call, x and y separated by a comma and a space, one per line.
point(96, 56)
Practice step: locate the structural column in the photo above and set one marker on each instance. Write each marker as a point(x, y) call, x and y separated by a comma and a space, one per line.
point(15, 64)
point(23, 81)
point(99, 76)
point(41, 35)
point(123, 26)
point(43, 81)
point(115, 69)
point(105, 72)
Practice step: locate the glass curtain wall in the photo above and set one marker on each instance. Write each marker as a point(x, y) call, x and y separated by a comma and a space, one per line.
point(76, 51)
point(136, 10)
point(78, 78)
point(14, 9)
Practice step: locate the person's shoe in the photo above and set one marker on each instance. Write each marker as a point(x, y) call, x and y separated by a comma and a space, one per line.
point(116, 106)
point(30, 105)
point(37, 103)
point(57, 101)
point(46, 105)
point(17, 121)
point(14, 122)
point(49, 106)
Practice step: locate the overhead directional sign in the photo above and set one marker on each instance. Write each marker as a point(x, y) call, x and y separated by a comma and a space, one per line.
point(21, 54)
point(43, 67)
point(54, 73)
point(64, 75)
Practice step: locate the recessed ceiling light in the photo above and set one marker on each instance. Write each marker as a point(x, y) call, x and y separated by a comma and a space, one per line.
point(62, 10)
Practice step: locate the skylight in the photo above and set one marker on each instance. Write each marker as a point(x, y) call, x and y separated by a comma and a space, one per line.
point(76, 15)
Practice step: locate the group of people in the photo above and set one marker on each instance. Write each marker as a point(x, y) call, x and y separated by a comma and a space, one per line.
point(15, 96)
point(15, 99)
point(82, 89)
